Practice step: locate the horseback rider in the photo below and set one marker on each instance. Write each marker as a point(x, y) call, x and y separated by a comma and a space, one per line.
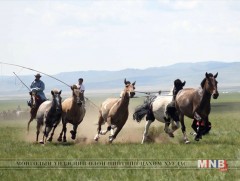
point(171, 109)
point(81, 87)
point(38, 87)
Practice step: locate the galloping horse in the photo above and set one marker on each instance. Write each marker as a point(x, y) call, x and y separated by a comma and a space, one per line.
point(36, 101)
point(196, 103)
point(161, 109)
point(49, 113)
point(114, 111)
point(73, 111)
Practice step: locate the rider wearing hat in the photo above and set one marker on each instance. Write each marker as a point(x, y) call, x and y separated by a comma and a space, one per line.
point(38, 86)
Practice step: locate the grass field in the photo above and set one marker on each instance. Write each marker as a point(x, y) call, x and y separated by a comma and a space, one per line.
point(222, 143)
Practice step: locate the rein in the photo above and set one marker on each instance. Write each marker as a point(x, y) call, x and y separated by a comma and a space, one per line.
point(159, 92)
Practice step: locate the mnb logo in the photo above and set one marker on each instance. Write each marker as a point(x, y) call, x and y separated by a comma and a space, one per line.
point(221, 164)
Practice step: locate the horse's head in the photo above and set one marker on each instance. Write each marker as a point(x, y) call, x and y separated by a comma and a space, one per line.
point(77, 95)
point(57, 99)
point(210, 84)
point(130, 88)
point(35, 99)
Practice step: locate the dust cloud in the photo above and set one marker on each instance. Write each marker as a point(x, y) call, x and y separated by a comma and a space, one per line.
point(131, 132)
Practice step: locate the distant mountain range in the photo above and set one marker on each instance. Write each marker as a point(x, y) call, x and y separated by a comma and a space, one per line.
point(149, 79)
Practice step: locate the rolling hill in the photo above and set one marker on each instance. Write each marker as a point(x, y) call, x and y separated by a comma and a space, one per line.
point(149, 79)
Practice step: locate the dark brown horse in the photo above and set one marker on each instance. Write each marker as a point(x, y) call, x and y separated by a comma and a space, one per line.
point(196, 103)
point(114, 111)
point(36, 101)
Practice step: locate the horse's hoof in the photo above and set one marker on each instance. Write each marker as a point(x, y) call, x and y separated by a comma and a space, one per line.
point(64, 140)
point(171, 135)
point(110, 139)
point(96, 138)
point(193, 133)
point(59, 139)
point(197, 138)
point(41, 142)
point(187, 141)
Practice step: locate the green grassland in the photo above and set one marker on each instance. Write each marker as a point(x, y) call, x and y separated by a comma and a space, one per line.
point(222, 143)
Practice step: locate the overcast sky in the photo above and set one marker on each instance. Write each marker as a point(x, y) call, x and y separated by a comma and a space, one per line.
point(62, 36)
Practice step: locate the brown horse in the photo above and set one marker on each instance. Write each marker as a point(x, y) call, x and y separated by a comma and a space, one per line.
point(36, 101)
point(114, 111)
point(73, 111)
point(196, 103)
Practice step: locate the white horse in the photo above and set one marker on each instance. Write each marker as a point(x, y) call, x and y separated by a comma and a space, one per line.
point(159, 108)
point(49, 113)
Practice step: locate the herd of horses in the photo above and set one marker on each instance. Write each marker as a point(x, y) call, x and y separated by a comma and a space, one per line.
point(170, 110)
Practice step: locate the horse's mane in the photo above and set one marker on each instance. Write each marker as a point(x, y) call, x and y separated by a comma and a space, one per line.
point(55, 91)
point(127, 82)
point(74, 86)
point(204, 80)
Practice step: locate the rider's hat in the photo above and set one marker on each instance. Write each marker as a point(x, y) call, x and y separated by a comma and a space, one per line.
point(38, 75)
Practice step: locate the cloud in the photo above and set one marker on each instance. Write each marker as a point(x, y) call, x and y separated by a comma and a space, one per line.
point(179, 4)
point(134, 33)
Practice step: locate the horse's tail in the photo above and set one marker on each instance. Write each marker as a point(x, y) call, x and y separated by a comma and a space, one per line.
point(140, 112)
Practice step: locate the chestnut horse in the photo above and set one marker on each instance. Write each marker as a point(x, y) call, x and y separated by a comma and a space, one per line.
point(36, 101)
point(73, 111)
point(115, 112)
point(196, 103)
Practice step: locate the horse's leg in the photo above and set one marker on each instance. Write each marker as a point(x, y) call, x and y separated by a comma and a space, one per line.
point(112, 131)
point(145, 133)
point(175, 126)
point(74, 131)
point(207, 127)
point(109, 120)
point(181, 118)
point(203, 129)
point(60, 136)
point(44, 136)
point(100, 122)
point(31, 119)
point(33, 114)
point(51, 137)
point(166, 128)
point(64, 131)
point(118, 129)
point(39, 125)
point(194, 127)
